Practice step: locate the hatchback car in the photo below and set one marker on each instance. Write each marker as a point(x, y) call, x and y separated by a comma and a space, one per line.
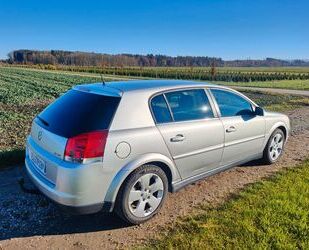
point(122, 146)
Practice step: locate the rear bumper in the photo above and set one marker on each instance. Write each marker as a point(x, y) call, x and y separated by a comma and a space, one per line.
point(77, 190)
point(89, 209)
point(61, 199)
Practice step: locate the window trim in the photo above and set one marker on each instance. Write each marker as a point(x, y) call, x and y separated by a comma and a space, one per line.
point(169, 107)
point(152, 113)
point(212, 105)
point(252, 104)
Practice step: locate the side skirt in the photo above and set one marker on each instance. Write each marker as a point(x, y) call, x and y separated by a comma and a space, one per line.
point(181, 184)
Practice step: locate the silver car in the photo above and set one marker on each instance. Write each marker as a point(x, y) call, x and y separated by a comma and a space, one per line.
point(122, 146)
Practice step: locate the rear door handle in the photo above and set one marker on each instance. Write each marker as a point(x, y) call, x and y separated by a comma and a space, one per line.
point(178, 138)
point(230, 129)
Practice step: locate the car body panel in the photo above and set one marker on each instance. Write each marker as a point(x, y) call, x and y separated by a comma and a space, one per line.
point(273, 121)
point(200, 150)
point(51, 142)
point(132, 112)
point(245, 139)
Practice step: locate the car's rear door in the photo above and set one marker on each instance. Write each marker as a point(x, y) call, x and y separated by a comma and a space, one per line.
point(192, 131)
point(244, 131)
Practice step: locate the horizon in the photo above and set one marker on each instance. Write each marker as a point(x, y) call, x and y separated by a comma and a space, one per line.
point(115, 54)
point(231, 30)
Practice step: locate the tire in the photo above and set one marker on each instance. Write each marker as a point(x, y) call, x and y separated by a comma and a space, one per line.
point(272, 153)
point(142, 194)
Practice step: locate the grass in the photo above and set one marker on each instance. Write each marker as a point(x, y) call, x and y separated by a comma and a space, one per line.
point(282, 84)
point(271, 214)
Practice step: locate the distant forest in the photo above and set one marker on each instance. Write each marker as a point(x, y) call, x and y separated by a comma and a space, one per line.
point(55, 57)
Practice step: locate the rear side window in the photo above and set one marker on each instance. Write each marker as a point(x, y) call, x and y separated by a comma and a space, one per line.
point(160, 109)
point(231, 104)
point(189, 105)
point(78, 112)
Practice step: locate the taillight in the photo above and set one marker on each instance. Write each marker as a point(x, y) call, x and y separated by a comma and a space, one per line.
point(86, 147)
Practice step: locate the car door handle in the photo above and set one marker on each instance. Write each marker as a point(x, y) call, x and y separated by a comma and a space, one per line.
point(178, 138)
point(230, 129)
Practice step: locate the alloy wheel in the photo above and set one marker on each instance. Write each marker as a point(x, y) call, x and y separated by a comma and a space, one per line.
point(276, 146)
point(146, 195)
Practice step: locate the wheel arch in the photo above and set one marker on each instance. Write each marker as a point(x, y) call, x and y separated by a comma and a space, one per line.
point(166, 170)
point(284, 130)
point(280, 125)
point(162, 161)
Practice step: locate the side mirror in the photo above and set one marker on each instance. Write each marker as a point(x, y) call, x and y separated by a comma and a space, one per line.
point(259, 111)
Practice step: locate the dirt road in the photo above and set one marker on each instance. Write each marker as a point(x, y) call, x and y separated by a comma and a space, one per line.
point(275, 90)
point(30, 221)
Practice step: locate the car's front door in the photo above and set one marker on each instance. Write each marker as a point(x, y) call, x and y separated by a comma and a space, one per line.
point(191, 130)
point(244, 131)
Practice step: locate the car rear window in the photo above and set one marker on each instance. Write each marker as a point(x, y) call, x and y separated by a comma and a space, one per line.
point(78, 112)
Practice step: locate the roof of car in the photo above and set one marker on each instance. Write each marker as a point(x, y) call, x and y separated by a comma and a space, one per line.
point(118, 87)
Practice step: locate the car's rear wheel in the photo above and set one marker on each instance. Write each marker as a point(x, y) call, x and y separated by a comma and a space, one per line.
point(274, 147)
point(142, 195)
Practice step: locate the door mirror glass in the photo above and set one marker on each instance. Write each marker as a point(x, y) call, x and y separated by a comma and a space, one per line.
point(259, 111)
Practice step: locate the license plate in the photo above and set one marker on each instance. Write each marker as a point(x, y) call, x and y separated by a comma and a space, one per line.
point(37, 162)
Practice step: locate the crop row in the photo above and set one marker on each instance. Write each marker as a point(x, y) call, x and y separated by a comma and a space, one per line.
point(208, 74)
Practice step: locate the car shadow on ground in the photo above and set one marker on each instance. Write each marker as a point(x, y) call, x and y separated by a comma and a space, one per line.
point(24, 214)
point(253, 163)
point(85, 223)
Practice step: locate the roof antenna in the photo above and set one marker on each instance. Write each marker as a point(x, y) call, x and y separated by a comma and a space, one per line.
point(102, 79)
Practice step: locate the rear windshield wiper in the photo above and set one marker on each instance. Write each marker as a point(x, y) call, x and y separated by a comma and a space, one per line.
point(43, 121)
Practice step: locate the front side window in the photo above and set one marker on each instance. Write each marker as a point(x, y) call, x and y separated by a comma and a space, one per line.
point(189, 105)
point(160, 109)
point(231, 104)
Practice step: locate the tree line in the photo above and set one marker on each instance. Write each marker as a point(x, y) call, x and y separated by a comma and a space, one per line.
point(55, 57)
point(75, 58)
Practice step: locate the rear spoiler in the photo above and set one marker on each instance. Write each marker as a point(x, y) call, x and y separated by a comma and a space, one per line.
point(99, 88)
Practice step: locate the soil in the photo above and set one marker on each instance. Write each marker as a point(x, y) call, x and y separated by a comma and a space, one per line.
point(30, 221)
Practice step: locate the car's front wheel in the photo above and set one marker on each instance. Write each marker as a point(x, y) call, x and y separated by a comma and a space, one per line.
point(142, 194)
point(274, 147)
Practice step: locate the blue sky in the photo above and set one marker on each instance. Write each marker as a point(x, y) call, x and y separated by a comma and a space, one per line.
point(223, 28)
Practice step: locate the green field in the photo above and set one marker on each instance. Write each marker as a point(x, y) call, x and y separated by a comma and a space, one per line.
point(271, 214)
point(25, 92)
point(274, 77)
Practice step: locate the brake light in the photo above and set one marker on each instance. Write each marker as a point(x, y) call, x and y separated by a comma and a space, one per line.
point(86, 147)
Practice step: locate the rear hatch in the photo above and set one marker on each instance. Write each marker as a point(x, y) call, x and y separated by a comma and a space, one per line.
point(74, 113)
